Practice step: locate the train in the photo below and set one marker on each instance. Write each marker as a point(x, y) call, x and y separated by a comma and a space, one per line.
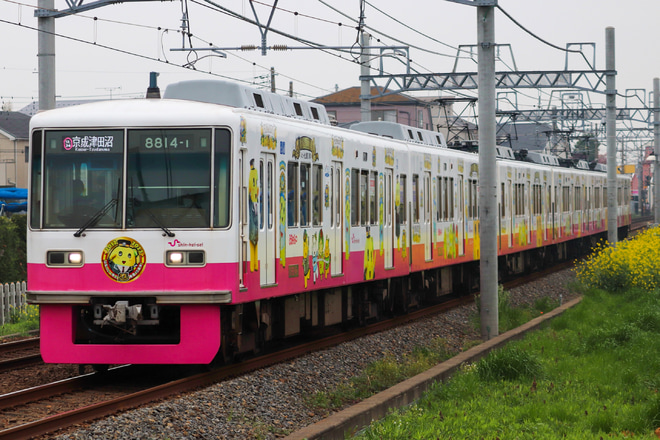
point(220, 219)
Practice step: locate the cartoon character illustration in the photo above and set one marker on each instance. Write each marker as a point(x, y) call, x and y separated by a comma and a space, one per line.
point(476, 241)
point(397, 214)
point(243, 131)
point(451, 242)
point(253, 190)
point(327, 257)
point(320, 254)
point(305, 262)
point(282, 214)
point(123, 259)
point(315, 259)
point(327, 195)
point(380, 212)
point(522, 233)
point(369, 258)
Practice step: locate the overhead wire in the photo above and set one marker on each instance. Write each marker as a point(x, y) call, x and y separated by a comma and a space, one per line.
point(554, 46)
point(274, 30)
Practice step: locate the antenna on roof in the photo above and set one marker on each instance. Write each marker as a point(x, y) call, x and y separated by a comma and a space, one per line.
point(153, 92)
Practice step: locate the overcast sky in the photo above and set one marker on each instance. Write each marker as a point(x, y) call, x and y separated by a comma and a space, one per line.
point(113, 55)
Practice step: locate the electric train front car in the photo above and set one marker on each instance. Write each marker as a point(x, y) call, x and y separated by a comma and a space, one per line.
point(131, 247)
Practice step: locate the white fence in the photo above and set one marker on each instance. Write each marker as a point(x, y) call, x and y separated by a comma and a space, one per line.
point(11, 296)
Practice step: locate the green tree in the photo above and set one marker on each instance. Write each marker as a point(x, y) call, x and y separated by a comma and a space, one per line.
point(13, 261)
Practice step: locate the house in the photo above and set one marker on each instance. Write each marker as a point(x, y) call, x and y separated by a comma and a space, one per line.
point(14, 142)
point(344, 107)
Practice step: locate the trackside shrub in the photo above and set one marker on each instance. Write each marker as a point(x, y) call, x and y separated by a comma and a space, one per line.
point(632, 263)
point(509, 363)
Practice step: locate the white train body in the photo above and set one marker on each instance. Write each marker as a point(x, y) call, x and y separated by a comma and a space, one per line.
point(207, 228)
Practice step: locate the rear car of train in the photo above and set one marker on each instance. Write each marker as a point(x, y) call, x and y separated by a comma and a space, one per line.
point(131, 250)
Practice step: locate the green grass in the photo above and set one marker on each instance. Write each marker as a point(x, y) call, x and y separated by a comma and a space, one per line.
point(21, 321)
point(592, 373)
point(381, 375)
point(510, 317)
point(389, 371)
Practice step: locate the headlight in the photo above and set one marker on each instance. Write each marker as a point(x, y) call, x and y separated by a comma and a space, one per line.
point(75, 258)
point(64, 258)
point(174, 257)
point(185, 258)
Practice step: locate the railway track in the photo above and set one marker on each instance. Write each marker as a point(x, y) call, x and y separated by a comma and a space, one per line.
point(13, 354)
point(640, 223)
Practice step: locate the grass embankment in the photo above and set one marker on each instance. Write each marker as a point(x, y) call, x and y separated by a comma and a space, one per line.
point(591, 373)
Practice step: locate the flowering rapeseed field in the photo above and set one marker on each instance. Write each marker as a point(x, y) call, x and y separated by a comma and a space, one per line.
point(632, 263)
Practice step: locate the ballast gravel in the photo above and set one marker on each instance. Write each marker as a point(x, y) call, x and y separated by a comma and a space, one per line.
point(271, 403)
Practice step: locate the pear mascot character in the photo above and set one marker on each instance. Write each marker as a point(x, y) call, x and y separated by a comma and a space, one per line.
point(305, 262)
point(369, 259)
point(253, 188)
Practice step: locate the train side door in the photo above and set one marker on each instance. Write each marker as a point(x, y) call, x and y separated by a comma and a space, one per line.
point(267, 219)
point(428, 225)
point(462, 220)
point(242, 219)
point(510, 211)
point(337, 219)
point(388, 231)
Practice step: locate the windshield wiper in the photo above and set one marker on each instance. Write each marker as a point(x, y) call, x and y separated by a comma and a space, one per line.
point(96, 217)
point(159, 223)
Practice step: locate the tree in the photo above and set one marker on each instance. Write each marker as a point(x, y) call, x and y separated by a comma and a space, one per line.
point(13, 264)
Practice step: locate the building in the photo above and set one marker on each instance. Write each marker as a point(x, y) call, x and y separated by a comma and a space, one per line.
point(14, 142)
point(344, 107)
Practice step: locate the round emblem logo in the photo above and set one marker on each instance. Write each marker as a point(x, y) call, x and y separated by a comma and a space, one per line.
point(123, 259)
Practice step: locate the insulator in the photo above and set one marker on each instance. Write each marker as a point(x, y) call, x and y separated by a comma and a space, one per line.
point(279, 47)
point(247, 47)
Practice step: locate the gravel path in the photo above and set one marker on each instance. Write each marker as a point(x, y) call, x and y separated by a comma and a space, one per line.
point(270, 403)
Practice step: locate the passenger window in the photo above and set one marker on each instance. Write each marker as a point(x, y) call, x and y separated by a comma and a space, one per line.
point(364, 214)
point(415, 200)
point(373, 198)
point(304, 194)
point(292, 195)
point(403, 199)
point(355, 197)
point(317, 195)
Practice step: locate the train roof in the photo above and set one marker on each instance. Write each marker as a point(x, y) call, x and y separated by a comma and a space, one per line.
point(241, 96)
point(130, 112)
point(394, 130)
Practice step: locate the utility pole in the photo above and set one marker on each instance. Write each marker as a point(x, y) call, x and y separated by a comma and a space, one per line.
point(365, 88)
point(610, 133)
point(656, 149)
point(487, 169)
point(46, 56)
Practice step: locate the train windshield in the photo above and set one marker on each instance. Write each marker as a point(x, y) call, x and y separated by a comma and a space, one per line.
point(82, 178)
point(168, 178)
